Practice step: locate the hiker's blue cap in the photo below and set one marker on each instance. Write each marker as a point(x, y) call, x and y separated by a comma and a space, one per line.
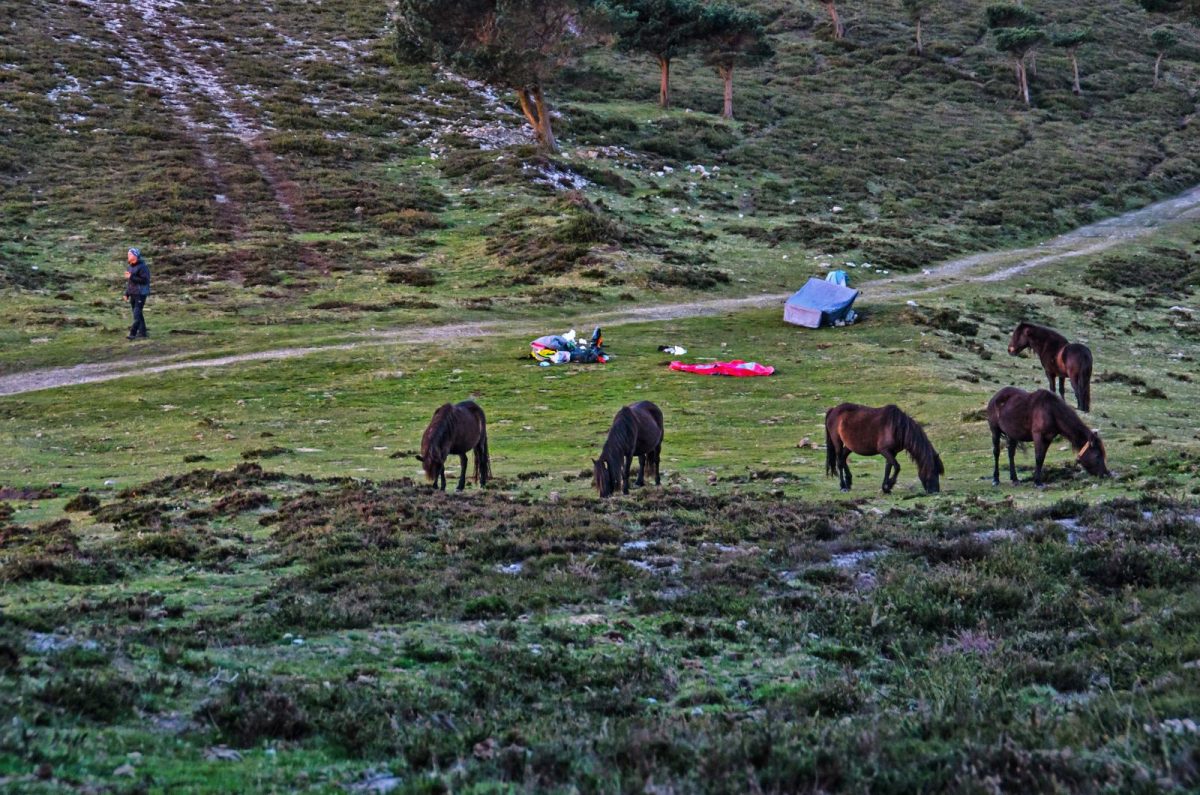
point(136, 252)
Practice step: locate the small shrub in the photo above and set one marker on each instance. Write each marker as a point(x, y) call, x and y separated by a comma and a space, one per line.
point(83, 502)
point(253, 709)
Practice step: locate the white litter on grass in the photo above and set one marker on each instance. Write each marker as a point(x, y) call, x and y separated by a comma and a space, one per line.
point(511, 568)
point(45, 642)
point(71, 86)
point(851, 560)
point(557, 178)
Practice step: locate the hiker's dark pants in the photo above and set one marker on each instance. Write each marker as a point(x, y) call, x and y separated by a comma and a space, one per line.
point(138, 329)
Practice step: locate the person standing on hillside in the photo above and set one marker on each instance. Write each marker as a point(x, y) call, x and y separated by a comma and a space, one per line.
point(137, 288)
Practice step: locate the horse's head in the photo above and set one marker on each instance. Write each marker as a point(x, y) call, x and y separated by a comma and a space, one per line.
point(602, 477)
point(929, 472)
point(430, 464)
point(1020, 339)
point(1093, 457)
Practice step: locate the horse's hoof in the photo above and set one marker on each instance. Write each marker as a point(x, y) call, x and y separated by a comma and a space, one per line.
point(845, 490)
point(995, 481)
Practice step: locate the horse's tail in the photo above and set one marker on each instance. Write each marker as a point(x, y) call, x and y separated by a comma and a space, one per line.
point(830, 453)
point(483, 462)
point(1082, 384)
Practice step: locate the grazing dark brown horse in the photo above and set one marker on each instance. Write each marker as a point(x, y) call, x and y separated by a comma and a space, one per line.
point(456, 430)
point(1038, 417)
point(1061, 359)
point(851, 428)
point(637, 430)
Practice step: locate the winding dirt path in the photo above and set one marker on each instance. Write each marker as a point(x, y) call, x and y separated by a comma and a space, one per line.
point(988, 267)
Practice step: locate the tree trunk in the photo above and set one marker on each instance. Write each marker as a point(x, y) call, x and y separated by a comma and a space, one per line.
point(1075, 73)
point(1024, 82)
point(664, 82)
point(533, 107)
point(920, 47)
point(1157, 64)
point(726, 73)
point(527, 108)
point(545, 130)
point(1033, 63)
point(838, 30)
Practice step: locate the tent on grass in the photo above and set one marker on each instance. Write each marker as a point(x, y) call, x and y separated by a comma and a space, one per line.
point(820, 302)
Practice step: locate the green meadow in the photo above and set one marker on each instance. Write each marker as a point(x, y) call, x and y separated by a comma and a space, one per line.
point(232, 576)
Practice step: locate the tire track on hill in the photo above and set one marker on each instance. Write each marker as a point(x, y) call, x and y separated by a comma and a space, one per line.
point(183, 79)
point(982, 268)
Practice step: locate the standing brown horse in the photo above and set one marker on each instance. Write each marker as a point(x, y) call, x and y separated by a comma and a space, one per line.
point(456, 430)
point(851, 428)
point(1038, 417)
point(637, 430)
point(1060, 357)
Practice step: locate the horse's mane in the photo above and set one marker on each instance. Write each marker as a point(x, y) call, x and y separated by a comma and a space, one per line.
point(621, 435)
point(1069, 424)
point(436, 440)
point(1041, 334)
point(912, 437)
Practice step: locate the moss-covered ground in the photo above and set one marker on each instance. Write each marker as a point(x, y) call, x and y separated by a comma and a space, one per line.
point(234, 578)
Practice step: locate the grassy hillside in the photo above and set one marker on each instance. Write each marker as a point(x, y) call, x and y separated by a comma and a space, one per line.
point(232, 578)
point(287, 176)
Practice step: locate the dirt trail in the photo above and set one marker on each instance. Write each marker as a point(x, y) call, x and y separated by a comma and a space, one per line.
point(988, 267)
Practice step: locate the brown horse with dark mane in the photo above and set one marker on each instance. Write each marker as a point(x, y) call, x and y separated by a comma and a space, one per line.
point(637, 430)
point(456, 430)
point(851, 428)
point(1060, 358)
point(1039, 417)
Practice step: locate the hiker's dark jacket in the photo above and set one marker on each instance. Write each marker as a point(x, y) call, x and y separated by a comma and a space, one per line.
point(139, 279)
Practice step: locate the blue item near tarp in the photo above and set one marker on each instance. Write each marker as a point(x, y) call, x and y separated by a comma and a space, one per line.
point(839, 278)
point(819, 302)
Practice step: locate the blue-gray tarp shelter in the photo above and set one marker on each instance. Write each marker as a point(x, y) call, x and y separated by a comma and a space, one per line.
point(819, 302)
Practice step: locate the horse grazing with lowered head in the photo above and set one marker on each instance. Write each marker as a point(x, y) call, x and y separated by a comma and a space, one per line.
point(851, 428)
point(637, 430)
point(1061, 359)
point(456, 430)
point(1039, 417)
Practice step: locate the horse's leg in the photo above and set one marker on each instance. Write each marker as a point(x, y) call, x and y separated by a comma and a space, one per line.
point(1012, 464)
point(844, 468)
point(641, 480)
point(996, 456)
point(889, 463)
point(1039, 457)
point(462, 475)
point(628, 465)
point(1062, 391)
point(658, 465)
point(441, 478)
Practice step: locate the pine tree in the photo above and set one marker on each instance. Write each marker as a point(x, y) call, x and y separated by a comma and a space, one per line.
point(1014, 29)
point(733, 38)
point(1070, 41)
point(839, 30)
point(664, 29)
point(512, 44)
point(1163, 39)
point(917, 11)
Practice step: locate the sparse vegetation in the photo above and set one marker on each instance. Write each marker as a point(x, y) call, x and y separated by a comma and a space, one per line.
point(300, 615)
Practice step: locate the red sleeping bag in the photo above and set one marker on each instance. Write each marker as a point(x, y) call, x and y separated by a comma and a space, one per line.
point(735, 368)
